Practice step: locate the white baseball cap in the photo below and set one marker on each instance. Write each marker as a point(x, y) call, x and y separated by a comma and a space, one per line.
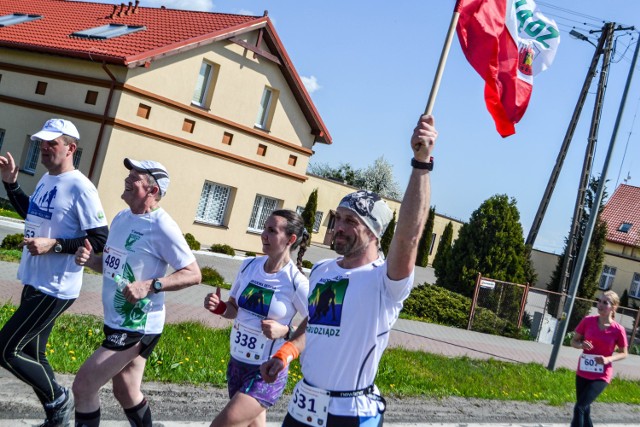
point(54, 128)
point(153, 168)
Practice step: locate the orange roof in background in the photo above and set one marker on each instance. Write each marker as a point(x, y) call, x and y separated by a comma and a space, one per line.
point(623, 207)
point(168, 31)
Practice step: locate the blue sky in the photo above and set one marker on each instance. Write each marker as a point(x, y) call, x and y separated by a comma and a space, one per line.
point(369, 66)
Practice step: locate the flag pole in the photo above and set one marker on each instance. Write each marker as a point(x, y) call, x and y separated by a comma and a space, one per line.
point(443, 59)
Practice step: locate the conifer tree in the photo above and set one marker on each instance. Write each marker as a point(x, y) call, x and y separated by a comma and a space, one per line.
point(425, 240)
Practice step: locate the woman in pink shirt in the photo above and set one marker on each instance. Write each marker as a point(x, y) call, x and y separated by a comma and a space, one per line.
point(597, 336)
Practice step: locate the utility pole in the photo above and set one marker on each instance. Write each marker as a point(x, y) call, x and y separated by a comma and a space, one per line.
point(593, 217)
point(553, 179)
point(574, 232)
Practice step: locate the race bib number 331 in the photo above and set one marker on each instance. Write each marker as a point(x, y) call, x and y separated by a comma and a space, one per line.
point(309, 405)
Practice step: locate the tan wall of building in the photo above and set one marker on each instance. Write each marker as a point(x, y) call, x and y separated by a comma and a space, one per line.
point(544, 264)
point(330, 193)
point(625, 269)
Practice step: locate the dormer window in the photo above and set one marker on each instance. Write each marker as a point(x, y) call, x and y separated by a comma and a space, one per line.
point(108, 31)
point(17, 18)
point(625, 227)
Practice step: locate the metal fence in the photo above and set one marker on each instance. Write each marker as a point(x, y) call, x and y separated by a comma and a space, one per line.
point(504, 308)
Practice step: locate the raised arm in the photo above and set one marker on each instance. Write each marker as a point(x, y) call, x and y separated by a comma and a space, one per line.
point(415, 204)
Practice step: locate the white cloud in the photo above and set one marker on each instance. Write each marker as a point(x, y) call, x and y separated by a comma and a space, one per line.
point(311, 83)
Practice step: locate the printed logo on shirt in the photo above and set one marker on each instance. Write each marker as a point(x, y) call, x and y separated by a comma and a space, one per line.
point(134, 316)
point(325, 302)
point(256, 300)
point(134, 236)
point(40, 204)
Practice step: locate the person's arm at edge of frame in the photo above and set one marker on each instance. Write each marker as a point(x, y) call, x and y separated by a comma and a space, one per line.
point(415, 204)
point(289, 351)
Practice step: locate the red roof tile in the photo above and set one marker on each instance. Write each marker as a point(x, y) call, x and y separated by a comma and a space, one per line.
point(623, 207)
point(167, 29)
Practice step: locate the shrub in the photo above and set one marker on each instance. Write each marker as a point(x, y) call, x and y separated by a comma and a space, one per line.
point(250, 253)
point(306, 263)
point(210, 276)
point(435, 304)
point(12, 241)
point(194, 245)
point(222, 249)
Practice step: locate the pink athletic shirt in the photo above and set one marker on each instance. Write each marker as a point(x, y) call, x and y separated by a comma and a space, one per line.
point(604, 343)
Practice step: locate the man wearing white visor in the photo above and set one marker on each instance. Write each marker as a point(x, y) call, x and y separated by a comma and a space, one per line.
point(63, 212)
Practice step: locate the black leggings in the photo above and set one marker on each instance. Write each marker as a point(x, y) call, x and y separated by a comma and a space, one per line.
point(23, 341)
point(586, 391)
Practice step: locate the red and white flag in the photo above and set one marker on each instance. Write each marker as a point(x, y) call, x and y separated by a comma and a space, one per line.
point(507, 42)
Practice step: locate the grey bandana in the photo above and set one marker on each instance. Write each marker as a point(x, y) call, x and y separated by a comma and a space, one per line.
point(370, 208)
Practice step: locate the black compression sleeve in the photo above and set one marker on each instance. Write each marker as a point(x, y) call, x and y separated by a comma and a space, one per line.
point(17, 197)
point(96, 236)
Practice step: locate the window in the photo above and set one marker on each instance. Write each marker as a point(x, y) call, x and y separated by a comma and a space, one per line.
point(433, 243)
point(91, 98)
point(108, 31)
point(41, 88)
point(634, 290)
point(204, 84)
point(262, 208)
point(213, 203)
point(317, 222)
point(267, 102)
point(625, 227)
point(262, 150)
point(17, 18)
point(292, 160)
point(1, 137)
point(188, 125)
point(606, 279)
point(77, 155)
point(144, 111)
point(227, 138)
point(33, 154)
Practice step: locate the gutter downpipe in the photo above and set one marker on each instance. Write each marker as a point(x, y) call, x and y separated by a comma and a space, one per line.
point(105, 117)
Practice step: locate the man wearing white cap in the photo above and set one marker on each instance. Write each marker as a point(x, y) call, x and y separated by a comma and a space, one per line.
point(144, 240)
point(354, 301)
point(60, 215)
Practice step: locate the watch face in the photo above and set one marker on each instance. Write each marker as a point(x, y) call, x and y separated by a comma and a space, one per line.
point(157, 286)
point(57, 248)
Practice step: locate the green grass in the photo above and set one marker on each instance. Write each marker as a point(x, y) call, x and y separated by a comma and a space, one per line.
point(10, 255)
point(195, 354)
point(9, 213)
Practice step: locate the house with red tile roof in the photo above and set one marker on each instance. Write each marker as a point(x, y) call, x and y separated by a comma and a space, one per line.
point(621, 269)
point(213, 96)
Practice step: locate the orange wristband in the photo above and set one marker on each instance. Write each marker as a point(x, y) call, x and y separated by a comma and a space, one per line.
point(287, 353)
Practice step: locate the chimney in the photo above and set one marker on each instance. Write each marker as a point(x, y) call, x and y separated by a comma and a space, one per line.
point(135, 9)
point(115, 7)
point(129, 10)
point(121, 11)
point(266, 12)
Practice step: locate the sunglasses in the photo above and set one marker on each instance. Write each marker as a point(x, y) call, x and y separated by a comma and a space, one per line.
point(604, 301)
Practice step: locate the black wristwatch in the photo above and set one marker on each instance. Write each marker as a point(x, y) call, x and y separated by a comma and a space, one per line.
point(156, 285)
point(422, 165)
point(57, 248)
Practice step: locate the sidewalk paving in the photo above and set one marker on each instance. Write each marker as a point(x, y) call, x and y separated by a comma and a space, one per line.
point(30, 423)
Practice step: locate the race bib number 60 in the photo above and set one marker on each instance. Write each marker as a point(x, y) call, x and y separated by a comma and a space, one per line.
point(588, 364)
point(309, 405)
